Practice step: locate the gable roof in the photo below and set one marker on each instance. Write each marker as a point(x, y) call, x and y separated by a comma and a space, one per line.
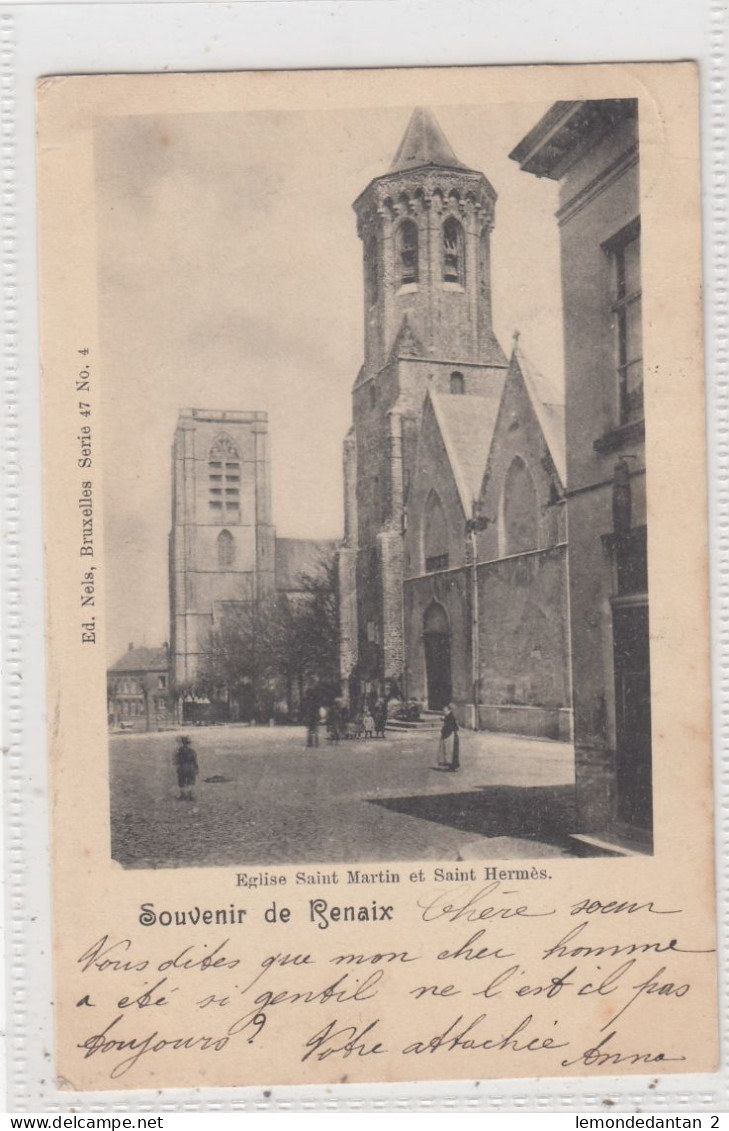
point(295, 556)
point(406, 343)
point(549, 408)
point(467, 425)
point(142, 660)
point(424, 143)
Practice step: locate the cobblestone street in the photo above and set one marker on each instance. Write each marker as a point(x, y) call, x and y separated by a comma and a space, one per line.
point(277, 802)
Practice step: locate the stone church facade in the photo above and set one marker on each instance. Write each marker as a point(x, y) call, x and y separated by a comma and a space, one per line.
point(223, 548)
point(222, 542)
point(453, 568)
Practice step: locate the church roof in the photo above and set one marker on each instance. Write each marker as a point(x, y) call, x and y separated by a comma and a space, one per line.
point(297, 556)
point(424, 143)
point(549, 408)
point(467, 427)
point(142, 660)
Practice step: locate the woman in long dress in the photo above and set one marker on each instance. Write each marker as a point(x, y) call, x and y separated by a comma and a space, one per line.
point(449, 745)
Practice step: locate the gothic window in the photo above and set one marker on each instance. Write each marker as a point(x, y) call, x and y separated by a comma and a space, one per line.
point(453, 260)
point(519, 512)
point(458, 385)
point(224, 480)
point(226, 549)
point(435, 534)
point(407, 247)
point(371, 268)
point(624, 253)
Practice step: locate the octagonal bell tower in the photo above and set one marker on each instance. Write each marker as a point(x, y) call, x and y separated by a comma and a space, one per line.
point(425, 226)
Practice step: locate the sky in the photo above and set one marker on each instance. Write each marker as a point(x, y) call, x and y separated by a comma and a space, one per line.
point(230, 277)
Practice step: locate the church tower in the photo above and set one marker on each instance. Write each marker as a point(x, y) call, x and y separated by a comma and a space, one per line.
point(425, 227)
point(222, 539)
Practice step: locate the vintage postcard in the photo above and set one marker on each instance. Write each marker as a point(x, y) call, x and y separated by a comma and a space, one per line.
point(377, 589)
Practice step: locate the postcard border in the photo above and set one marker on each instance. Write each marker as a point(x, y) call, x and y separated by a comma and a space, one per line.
point(28, 950)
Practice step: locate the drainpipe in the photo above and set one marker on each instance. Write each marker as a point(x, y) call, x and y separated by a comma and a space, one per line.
point(478, 522)
point(475, 654)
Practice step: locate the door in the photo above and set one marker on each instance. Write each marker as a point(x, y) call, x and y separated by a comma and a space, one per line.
point(437, 642)
point(633, 715)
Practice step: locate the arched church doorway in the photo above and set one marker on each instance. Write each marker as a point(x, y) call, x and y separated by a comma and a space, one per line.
point(437, 642)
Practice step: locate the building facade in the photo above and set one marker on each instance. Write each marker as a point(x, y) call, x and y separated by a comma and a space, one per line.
point(591, 149)
point(224, 553)
point(485, 585)
point(222, 539)
point(431, 604)
point(138, 690)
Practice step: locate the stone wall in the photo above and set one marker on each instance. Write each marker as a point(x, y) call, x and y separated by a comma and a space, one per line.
point(524, 646)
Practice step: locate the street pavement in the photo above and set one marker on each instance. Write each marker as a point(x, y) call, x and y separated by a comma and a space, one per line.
point(275, 801)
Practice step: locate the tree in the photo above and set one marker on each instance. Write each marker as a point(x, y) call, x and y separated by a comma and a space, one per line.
point(277, 647)
point(317, 626)
point(241, 657)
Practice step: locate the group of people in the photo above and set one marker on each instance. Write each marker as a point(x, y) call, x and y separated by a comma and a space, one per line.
point(369, 722)
point(340, 722)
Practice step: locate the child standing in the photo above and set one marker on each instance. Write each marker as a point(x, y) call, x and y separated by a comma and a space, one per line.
point(187, 768)
point(368, 723)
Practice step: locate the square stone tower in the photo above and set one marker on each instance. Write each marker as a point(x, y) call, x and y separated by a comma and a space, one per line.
point(222, 543)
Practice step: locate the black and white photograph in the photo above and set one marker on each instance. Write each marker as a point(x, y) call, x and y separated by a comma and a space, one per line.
point(373, 411)
point(374, 488)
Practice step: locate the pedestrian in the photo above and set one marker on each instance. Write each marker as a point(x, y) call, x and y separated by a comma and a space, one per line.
point(311, 718)
point(187, 768)
point(449, 745)
point(368, 723)
point(334, 722)
point(379, 716)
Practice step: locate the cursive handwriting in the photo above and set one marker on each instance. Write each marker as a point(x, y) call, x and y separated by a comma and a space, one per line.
point(569, 995)
point(591, 906)
point(349, 1040)
point(141, 1046)
point(562, 950)
point(463, 1037)
point(600, 1056)
point(454, 905)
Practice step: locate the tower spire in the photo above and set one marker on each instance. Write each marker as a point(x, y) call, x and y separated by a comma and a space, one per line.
point(424, 143)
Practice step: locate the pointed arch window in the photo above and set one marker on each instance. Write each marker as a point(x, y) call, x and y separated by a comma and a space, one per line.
point(458, 384)
point(407, 248)
point(224, 480)
point(435, 534)
point(519, 511)
point(226, 549)
point(453, 257)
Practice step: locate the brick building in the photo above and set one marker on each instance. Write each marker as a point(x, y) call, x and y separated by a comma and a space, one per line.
point(452, 571)
point(591, 149)
point(138, 689)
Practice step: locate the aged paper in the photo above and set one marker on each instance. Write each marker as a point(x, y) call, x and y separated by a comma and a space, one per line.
point(424, 791)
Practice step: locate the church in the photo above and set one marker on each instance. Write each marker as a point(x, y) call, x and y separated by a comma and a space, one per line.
point(224, 551)
point(453, 569)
